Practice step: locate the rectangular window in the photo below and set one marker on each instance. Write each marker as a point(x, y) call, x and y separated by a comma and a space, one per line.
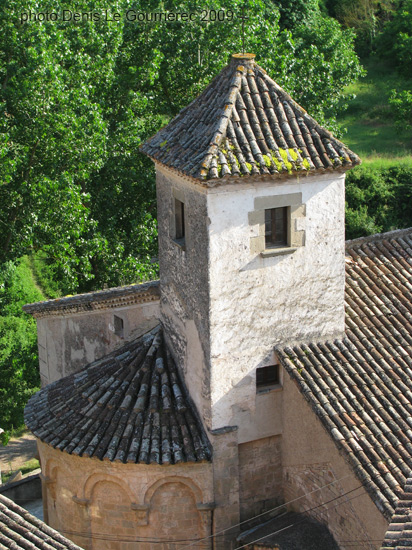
point(276, 227)
point(267, 377)
point(118, 326)
point(179, 220)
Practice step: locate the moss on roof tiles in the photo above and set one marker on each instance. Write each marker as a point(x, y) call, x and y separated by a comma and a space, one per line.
point(245, 124)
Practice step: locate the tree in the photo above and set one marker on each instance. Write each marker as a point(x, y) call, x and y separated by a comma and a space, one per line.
point(314, 61)
point(18, 344)
point(53, 131)
point(295, 12)
point(378, 200)
point(78, 99)
point(395, 41)
point(366, 17)
point(55, 122)
point(401, 103)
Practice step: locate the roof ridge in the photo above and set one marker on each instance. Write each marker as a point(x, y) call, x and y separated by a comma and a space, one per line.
point(222, 122)
point(112, 297)
point(394, 233)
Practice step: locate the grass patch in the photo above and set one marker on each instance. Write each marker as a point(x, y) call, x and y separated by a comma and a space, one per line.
point(19, 432)
point(371, 130)
point(382, 162)
point(26, 468)
point(43, 269)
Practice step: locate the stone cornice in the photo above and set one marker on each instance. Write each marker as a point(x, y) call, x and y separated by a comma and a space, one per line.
point(101, 299)
point(251, 179)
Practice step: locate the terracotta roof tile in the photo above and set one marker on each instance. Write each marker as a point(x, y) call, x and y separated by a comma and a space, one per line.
point(19, 530)
point(361, 386)
point(130, 406)
point(245, 124)
point(399, 533)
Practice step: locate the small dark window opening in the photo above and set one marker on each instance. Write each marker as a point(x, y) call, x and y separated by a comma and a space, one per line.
point(118, 326)
point(267, 377)
point(276, 227)
point(179, 220)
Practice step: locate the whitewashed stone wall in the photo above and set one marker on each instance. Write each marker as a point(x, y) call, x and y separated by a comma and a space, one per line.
point(258, 302)
point(68, 342)
point(225, 305)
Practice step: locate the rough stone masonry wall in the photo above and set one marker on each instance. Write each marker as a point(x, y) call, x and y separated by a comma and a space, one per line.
point(260, 475)
point(339, 514)
point(109, 506)
point(226, 488)
point(317, 479)
point(184, 283)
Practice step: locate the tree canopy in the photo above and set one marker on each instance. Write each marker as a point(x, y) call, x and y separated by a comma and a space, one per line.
point(78, 98)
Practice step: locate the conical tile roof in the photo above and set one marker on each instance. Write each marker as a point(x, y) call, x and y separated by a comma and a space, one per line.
point(129, 406)
point(245, 124)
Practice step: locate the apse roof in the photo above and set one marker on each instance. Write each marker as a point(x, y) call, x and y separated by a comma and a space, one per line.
point(361, 386)
point(245, 124)
point(130, 406)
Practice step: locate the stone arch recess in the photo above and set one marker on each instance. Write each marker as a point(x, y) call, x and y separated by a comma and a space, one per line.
point(51, 467)
point(173, 479)
point(94, 479)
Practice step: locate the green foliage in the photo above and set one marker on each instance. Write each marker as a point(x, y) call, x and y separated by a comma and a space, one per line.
point(77, 100)
point(325, 57)
point(18, 361)
point(70, 119)
point(295, 12)
point(378, 200)
point(44, 271)
point(366, 17)
point(401, 102)
point(395, 41)
point(17, 288)
point(371, 131)
point(18, 343)
point(313, 61)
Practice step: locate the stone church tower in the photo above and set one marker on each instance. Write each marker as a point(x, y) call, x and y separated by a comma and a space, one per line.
point(251, 240)
point(251, 244)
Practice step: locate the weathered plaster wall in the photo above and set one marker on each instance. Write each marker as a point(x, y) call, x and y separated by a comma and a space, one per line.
point(184, 283)
point(257, 302)
point(260, 476)
point(69, 342)
point(104, 505)
point(310, 461)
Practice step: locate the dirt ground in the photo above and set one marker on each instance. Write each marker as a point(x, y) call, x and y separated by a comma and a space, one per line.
point(17, 452)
